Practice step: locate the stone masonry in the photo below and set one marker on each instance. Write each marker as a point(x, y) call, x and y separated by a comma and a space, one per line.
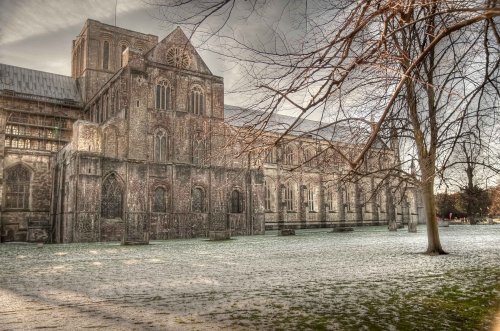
point(138, 145)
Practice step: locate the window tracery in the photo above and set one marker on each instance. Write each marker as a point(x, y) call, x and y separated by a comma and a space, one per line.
point(112, 198)
point(268, 187)
point(310, 199)
point(289, 197)
point(271, 156)
point(289, 155)
point(196, 102)
point(163, 95)
point(198, 151)
point(162, 146)
point(177, 57)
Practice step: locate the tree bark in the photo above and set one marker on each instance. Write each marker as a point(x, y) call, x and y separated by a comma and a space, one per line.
point(427, 161)
point(433, 241)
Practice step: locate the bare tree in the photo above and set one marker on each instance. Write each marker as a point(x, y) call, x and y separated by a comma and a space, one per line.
point(421, 67)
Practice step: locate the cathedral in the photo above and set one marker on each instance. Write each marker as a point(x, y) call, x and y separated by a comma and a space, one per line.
point(138, 145)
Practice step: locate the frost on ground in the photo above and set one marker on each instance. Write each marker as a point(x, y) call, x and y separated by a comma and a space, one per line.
point(366, 279)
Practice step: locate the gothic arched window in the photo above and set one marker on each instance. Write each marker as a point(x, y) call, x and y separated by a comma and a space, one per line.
point(117, 100)
point(198, 151)
point(123, 48)
point(330, 199)
point(111, 198)
point(105, 55)
point(346, 197)
point(268, 188)
point(17, 187)
point(271, 156)
point(112, 102)
point(236, 202)
point(289, 155)
point(105, 106)
point(159, 200)
point(162, 146)
point(163, 94)
point(310, 199)
point(198, 202)
point(289, 197)
point(309, 159)
point(196, 101)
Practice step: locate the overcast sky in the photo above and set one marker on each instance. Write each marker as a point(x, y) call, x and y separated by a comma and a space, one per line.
point(37, 34)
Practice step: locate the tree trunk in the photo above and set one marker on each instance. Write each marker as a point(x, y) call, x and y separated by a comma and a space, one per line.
point(433, 242)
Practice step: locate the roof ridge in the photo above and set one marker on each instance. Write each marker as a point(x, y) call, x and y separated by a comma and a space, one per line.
point(45, 72)
point(276, 114)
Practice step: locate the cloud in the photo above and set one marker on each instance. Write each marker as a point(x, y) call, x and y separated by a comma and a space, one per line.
point(37, 34)
point(26, 18)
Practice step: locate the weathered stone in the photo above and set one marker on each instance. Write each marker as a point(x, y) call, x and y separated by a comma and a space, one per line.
point(146, 149)
point(286, 232)
point(219, 235)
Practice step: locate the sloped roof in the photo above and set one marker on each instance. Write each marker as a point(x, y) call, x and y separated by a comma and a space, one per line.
point(38, 85)
point(178, 38)
point(279, 123)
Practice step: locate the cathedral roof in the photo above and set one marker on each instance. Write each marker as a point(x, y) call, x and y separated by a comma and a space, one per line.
point(38, 85)
point(279, 123)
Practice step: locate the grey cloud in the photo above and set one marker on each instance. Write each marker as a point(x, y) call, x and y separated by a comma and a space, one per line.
point(24, 18)
point(37, 34)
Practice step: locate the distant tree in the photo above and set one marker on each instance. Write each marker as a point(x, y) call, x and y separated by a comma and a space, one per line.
point(475, 202)
point(448, 204)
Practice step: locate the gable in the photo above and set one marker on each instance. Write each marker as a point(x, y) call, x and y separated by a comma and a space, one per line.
point(176, 50)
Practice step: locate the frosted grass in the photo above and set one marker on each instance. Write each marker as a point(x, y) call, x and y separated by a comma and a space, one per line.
point(366, 279)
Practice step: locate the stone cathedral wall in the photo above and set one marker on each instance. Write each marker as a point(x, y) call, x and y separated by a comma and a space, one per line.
point(120, 166)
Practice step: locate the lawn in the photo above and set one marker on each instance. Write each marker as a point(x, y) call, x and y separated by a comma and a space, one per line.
point(369, 279)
